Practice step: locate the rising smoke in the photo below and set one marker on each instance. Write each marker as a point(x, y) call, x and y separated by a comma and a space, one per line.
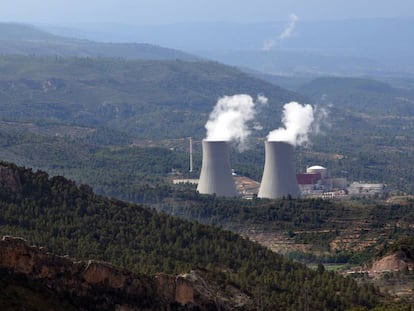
point(229, 120)
point(299, 122)
point(286, 33)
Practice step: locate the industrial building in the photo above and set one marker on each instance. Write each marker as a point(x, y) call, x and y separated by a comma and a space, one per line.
point(216, 174)
point(316, 182)
point(279, 179)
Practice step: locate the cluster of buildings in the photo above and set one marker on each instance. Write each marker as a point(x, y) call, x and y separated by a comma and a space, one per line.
point(279, 178)
point(316, 182)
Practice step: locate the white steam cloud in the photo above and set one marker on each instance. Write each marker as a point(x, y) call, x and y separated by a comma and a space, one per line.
point(286, 33)
point(299, 121)
point(229, 120)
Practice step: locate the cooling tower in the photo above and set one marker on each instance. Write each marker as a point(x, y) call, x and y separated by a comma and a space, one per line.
point(216, 175)
point(279, 178)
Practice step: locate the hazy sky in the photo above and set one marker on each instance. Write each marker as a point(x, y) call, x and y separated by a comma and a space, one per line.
point(174, 11)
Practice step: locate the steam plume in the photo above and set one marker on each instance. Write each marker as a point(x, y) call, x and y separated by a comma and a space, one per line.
point(299, 121)
point(230, 117)
point(286, 33)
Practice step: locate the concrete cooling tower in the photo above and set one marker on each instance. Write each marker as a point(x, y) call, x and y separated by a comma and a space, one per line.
point(216, 175)
point(279, 178)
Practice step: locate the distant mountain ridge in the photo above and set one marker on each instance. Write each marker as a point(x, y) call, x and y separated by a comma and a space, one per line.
point(24, 39)
point(372, 45)
point(360, 95)
point(16, 31)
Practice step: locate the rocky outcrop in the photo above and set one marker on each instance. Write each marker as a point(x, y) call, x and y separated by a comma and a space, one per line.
point(178, 289)
point(9, 178)
point(392, 263)
point(106, 287)
point(392, 274)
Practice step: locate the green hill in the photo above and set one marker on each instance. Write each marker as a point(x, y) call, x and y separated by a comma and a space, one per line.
point(72, 220)
point(361, 95)
point(141, 97)
point(63, 114)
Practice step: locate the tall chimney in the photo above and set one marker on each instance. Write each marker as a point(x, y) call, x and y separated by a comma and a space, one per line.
point(216, 175)
point(191, 155)
point(279, 178)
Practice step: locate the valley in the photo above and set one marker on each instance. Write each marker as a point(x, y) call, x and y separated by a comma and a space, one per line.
point(92, 136)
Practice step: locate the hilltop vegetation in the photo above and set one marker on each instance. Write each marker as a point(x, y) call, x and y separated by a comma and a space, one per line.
point(361, 95)
point(309, 230)
point(404, 244)
point(145, 98)
point(73, 220)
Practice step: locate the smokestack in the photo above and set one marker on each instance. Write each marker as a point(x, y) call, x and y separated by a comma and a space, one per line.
point(191, 154)
point(279, 178)
point(216, 175)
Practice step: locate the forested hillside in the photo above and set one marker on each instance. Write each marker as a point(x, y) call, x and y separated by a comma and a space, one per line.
point(74, 107)
point(143, 98)
point(361, 95)
point(72, 220)
point(310, 230)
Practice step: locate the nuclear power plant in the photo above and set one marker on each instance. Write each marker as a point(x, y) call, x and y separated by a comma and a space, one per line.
point(216, 174)
point(279, 178)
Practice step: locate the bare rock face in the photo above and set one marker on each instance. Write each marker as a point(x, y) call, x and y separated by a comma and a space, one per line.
point(178, 289)
point(10, 179)
point(105, 286)
point(392, 263)
point(104, 273)
point(184, 291)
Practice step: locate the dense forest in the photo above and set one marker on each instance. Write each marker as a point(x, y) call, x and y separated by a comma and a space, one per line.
point(67, 219)
point(333, 231)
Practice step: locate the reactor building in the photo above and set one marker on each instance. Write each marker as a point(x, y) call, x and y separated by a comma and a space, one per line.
point(216, 173)
point(279, 178)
